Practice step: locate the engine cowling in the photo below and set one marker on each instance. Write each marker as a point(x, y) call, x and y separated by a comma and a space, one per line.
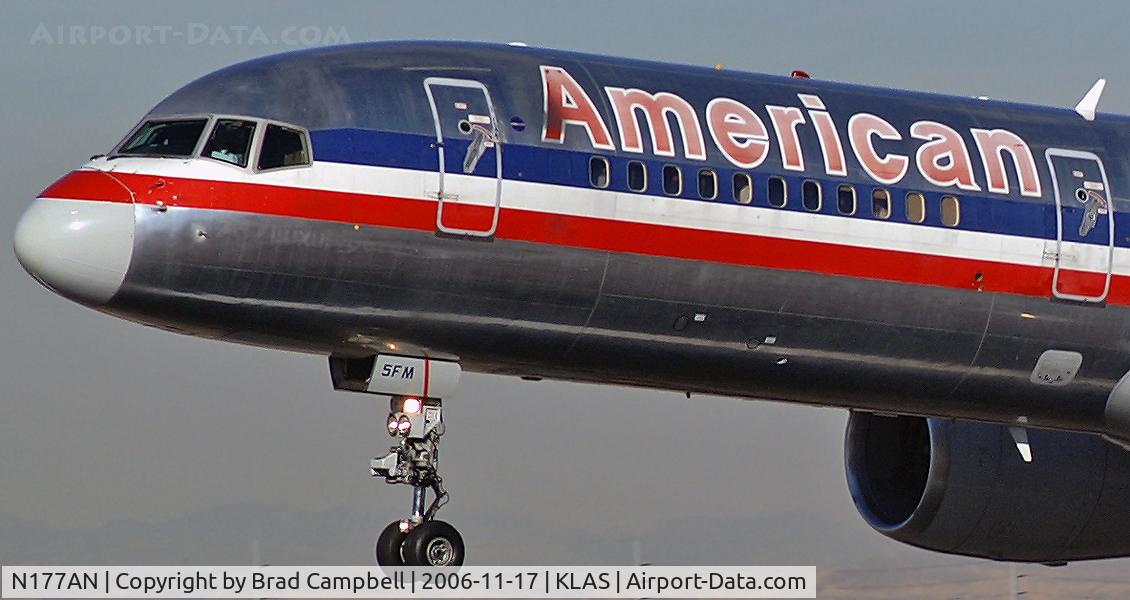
point(961, 487)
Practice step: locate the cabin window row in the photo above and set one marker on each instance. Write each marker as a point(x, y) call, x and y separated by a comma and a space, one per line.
point(777, 192)
point(637, 177)
point(847, 201)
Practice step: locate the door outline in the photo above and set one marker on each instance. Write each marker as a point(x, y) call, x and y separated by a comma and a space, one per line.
point(441, 194)
point(1049, 154)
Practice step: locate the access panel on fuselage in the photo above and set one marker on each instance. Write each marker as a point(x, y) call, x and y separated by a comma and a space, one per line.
point(468, 140)
point(1084, 226)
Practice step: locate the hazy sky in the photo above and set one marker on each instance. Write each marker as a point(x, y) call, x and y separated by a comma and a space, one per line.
point(135, 441)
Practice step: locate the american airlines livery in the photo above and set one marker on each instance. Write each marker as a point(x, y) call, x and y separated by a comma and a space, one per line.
point(954, 271)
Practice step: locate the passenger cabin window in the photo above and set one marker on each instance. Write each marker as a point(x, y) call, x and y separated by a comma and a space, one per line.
point(811, 195)
point(672, 180)
point(881, 203)
point(951, 211)
point(283, 147)
point(777, 192)
point(598, 172)
point(845, 199)
point(637, 176)
point(175, 138)
point(230, 141)
point(707, 184)
point(743, 188)
point(915, 207)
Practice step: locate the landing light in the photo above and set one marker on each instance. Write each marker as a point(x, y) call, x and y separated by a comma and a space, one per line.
point(392, 425)
point(412, 406)
point(404, 425)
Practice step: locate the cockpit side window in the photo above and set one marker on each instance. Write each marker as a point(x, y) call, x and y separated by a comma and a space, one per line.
point(174, 137)
point(283, 147)
point(230, 141)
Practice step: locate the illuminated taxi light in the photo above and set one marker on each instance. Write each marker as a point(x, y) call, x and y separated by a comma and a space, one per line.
point(413, 406)
point(404, 425)
point(392, 425)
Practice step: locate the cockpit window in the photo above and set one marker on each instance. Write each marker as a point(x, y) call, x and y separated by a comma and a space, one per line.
point(230, 141)
point(165, 138)
point(283, 147)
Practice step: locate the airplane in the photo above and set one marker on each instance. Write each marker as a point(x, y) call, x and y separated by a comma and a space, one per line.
point(953, 271)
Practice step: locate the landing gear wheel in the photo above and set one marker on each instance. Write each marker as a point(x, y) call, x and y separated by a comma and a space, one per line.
point(433, 544)
point(389, 546)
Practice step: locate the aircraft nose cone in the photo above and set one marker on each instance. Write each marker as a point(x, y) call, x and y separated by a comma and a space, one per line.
point(79, 249)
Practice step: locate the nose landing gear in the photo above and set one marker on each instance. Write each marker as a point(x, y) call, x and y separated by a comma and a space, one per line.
point(415, 387)
point(418, 540)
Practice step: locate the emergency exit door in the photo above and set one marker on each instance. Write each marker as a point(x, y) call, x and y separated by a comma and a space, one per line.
point(468, 142)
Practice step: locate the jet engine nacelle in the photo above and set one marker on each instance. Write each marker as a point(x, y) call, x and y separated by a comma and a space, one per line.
point(962, 488)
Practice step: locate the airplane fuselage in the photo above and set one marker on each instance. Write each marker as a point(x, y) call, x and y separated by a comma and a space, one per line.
point(563, 216)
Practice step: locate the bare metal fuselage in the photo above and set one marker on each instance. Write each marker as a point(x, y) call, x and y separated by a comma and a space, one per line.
point(593, 310)
point(528, 309)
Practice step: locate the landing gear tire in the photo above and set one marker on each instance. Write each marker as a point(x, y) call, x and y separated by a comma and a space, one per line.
point(389, 546)
point(433, 544)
